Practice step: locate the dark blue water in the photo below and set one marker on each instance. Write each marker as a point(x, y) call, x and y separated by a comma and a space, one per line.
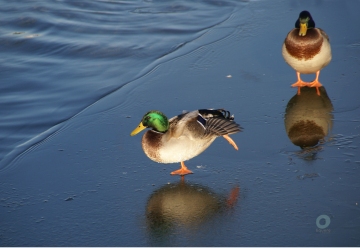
point(77, 76)
point(60, 57)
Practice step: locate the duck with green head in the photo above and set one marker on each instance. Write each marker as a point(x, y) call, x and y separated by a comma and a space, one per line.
point(307, 50)
point(184, 136)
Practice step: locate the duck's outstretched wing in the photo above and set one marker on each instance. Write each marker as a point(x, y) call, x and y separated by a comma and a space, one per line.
point(217, 122)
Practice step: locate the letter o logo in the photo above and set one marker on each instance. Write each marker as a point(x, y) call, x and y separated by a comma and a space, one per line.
point(327, 221)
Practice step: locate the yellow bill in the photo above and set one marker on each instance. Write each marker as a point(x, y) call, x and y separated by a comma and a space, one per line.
point(138, 129)
point(303, 29)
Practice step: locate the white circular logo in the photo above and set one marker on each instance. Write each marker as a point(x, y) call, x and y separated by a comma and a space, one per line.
point(326, 224)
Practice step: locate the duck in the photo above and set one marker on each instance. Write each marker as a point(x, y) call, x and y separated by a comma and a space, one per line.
point(184, 136)
point(307, 50)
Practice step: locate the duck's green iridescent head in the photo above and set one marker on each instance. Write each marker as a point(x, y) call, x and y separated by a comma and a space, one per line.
point(304, 22)
point(153, 119)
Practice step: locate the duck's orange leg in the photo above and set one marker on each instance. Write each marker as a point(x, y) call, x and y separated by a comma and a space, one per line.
point(299, 83)
point(316, 83)
point(231, 141)
point(182, 171)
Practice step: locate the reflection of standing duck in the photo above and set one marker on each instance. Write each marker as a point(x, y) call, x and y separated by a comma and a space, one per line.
point(307, 50)
point(183, 204)
point(308, 117)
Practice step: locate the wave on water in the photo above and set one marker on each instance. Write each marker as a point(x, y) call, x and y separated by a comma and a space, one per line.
point(58, 58)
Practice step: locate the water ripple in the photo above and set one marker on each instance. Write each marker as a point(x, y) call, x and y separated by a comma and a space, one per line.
point(60, 57)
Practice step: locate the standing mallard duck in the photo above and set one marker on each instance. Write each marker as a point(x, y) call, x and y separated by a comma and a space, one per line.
point(307, 50)
point(184, 136)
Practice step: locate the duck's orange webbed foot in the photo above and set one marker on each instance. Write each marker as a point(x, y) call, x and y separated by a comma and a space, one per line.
point(182, 171)
point(316, 83)
point(299, 83)
point(227, 137)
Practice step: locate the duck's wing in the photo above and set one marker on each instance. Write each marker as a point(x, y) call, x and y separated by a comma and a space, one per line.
point(219, 127)
point(218, 122)
point(203, 123)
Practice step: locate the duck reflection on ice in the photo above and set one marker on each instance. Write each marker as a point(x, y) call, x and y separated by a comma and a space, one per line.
point(185, 205)
point(308, 117)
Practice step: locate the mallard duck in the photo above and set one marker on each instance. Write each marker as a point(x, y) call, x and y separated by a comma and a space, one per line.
point(307, 50)
point(184, 136)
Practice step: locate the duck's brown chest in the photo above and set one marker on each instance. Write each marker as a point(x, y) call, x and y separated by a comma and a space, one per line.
point(151, 143)
point(304, 47)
